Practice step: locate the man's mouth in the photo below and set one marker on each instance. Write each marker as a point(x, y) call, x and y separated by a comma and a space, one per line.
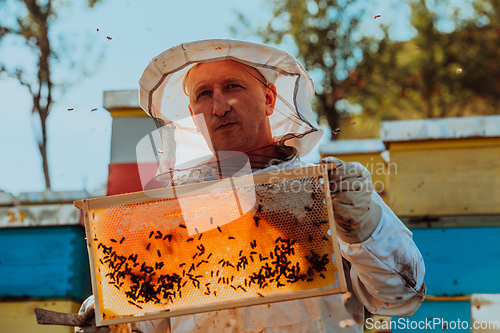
point(225, 126)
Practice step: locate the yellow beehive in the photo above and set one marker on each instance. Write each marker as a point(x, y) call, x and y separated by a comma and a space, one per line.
point(209, 246)
point(444, 166)
point(20, 316)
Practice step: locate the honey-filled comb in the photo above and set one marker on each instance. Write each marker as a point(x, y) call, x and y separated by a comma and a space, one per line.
point(215, 245)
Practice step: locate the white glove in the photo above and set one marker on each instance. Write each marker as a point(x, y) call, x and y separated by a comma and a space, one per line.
point(88, 309)
point(356, 214)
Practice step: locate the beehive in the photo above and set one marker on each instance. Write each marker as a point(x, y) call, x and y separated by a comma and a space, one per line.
point(210, 246)
point(444, 167)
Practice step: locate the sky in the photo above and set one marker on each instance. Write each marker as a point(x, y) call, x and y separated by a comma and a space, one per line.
point(79, 141)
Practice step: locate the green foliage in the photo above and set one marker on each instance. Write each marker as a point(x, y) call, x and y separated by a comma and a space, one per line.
point(322, 31)
point(436, 74)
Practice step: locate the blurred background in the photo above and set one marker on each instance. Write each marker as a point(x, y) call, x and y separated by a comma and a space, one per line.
point(410, 89)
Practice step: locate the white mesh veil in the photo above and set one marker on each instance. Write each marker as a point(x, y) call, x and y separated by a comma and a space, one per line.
point(162, 96)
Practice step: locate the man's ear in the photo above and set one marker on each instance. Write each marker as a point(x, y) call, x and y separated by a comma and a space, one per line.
point(270, 97)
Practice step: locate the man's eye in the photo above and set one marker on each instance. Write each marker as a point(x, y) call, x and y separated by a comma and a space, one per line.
point(204, 93)
point(233, 85)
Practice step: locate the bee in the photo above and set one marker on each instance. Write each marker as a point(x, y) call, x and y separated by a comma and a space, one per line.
point(70, 109)
point(256, 219)
point(376, 16)
point(109, 38)
point(93, 110)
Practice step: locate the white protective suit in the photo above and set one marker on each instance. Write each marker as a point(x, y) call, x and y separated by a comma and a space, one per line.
point(384, 272)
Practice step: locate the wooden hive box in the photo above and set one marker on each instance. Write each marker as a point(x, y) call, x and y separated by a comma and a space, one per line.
point(445, 166)
point(213, 245)
point(48, 262)
point(19, 316)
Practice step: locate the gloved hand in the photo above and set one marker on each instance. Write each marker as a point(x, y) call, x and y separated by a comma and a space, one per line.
point(356, 214)
point(88, 309)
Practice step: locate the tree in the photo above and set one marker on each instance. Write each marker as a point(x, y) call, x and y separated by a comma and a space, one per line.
point(436, 74)
point(31, 20)
point(323, 32)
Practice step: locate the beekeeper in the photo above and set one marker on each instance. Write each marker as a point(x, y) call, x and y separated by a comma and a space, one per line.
point(216, 98)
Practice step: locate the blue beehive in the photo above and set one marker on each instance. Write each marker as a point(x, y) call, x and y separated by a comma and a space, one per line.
point(44, 262)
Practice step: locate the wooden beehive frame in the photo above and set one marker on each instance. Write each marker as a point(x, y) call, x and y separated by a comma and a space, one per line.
point(176, 192)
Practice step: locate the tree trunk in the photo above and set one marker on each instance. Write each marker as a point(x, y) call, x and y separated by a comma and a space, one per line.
point(328, 108)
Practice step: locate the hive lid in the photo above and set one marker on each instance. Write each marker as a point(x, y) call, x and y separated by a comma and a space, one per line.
point(339, 147)
point(442, 128)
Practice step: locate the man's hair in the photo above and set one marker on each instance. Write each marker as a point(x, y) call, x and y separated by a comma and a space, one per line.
point(261, 77)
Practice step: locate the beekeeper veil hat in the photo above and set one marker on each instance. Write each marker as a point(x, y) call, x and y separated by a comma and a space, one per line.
point(163, 97)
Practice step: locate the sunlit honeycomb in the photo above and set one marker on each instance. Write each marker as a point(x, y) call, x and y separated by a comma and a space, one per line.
point(147, 261)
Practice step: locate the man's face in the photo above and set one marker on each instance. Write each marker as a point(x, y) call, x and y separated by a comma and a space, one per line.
point(234, 102)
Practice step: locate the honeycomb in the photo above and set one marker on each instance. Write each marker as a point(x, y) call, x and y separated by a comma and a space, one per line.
point(146, 260)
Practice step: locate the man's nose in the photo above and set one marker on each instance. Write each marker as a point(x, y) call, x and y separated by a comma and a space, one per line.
point(220, 103)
